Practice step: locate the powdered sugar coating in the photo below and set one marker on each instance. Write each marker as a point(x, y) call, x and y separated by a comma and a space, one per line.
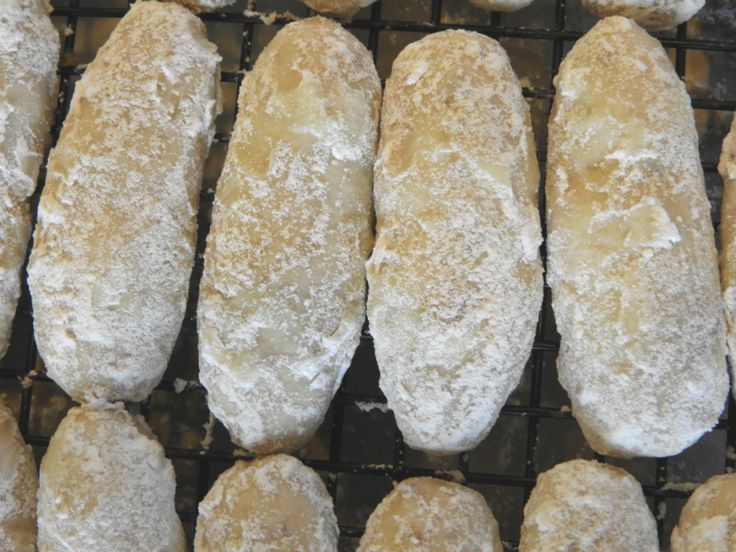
point(282, 297)
point(29, 50)
point(632, 260)
point(18, 486)
point(708, 520)
point(727, 168)
point(455, 279)
point(105, 485)
point(655, 15)
point(270, 504)
point(582, 506)
point(114, 245)
point(423, 514)
point(341, 8)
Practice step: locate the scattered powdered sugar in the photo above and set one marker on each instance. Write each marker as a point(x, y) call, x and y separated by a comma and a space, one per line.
point(655, 15)
point(105, 485)
point(18, 485)
point(268, 504)
point(29, 51)
point(367, 406)
point(632, 259)
point(114, 244)
point(282, 296)
point(586, 505)
point(423, 514)
point(708, 519)
point(208, 427)
point(455, 278)
point(679, 486)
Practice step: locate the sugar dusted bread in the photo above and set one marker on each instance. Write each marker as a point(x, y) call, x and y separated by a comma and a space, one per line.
point(423, 514)
point(455, 278)
point(586, 506)
point(18, 486)
point(655, 15)
point(114, 245)
point(502, 5)
point(282, 296)
point(632, 260)
point(106, 486)
point(29, 50)
point(727, 168)
point(708, 520)
point(340, 8)
point(271, 503)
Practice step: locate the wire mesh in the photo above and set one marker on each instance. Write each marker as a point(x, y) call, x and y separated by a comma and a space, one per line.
point(358, 449)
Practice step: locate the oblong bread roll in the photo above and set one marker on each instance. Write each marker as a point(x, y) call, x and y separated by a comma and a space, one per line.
point(423, 514)
point(105, 485)
point(632, 260)
point(29, 50)
point(281, 303)
point(18, 486)
point(271, 503)
point(655, 15)
point(501, 5)
point(455, 279)
point(199, 6)
point(340, 8)
point(708, 520)
point(586, 506)
point(727, 168)
point(114, 245)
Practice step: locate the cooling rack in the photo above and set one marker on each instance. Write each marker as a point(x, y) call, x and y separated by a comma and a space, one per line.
point(358, 450)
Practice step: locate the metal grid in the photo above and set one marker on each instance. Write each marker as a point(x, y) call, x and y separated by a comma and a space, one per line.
point(358, 449)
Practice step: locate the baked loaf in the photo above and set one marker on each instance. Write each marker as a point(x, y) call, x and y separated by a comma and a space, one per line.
point(501, 5)
point(281, 303)
point(655, 15)
point(29, 50)
point(340, 8)
point(105, 485)
point(585, 506)
point(114, 245)
point(423, 514)
point(268, 504)
point(632, 260)
point(708, 520)
point(455, 279)
point(199, 6)
point(727, 168)
point(18, 486)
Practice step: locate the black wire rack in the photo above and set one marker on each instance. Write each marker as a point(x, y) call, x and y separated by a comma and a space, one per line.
point(358, 449)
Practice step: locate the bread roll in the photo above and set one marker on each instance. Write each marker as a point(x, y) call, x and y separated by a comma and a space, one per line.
point(585, 506)
point(632, 260)
point(105, 485)
point(271, 503)
point(455, 279)
point(18, 486)
point(708, 520)
point(114, 245)
point(340, 8)
point(423, 514)
point(501, 5)
point(199, 6)
point(282, 297)
point(29, 50)
point(655, 15)
point(727, 168)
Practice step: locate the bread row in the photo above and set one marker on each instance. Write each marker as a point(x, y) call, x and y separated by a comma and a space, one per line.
point(455, 275)
point(105, 484)
point(650, 14)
